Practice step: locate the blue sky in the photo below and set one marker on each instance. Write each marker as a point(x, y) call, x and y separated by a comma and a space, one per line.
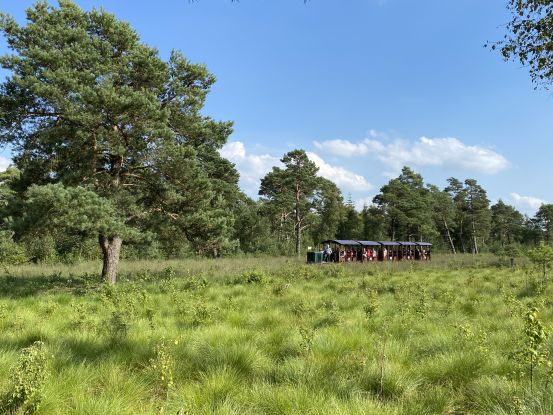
point(365, 86)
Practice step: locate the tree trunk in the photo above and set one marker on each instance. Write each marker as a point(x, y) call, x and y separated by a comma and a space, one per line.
point(298, 231)
point(474, 239)
point(298, 221)
point(111, 248)
point(449, 237)
point(462, 239)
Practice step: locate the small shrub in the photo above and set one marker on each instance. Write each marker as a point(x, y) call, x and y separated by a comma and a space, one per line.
point(300, 309)
point(162, 366)
point(118, 326)
point(195, 282)
point(80, 318)
point(307, 335)
point(49, 307)
point(168, 273)
point(533, 353)
point(41, 248)
point(11, 253)
point(3, 312)
point(372, 306)
point(122, 309)
point(150, 315)
point(202, 314)
point(254, 277)
point(27, 381)
point(281, 288)
point(331, 314)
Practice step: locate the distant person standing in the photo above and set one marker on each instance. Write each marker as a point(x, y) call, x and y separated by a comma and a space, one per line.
point(327, 253)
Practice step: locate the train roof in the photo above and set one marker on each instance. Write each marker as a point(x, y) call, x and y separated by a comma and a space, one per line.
point(341, 242)
point(351, 242)
point(369, 243)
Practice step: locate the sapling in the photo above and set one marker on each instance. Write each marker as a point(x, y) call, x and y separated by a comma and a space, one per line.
point(533, 353)
point(373, 305)
point(307, 334)
point(542, 257)
point(511, 251)
point(162, 364)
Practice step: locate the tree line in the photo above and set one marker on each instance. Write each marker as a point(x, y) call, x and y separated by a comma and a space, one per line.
point(113, 156)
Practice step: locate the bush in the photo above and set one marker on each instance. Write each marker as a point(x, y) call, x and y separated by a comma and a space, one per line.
point(11, 253)
point(27, 380)
point(254, 277)
point(40, 248)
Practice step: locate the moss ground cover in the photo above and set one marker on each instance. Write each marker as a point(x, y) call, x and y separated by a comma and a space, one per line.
point(274, 336)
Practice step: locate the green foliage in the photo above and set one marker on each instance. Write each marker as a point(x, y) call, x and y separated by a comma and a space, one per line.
point(162, 365)
point(254, 277)
point(404, 202)
point(11, 253)
point(108, 137)
point(541, 256)
point(27, 380)
point(40, 248)
point(528, 38)
point(307, 335)
point(372, 306)
point(533, 353)
point(290, 193)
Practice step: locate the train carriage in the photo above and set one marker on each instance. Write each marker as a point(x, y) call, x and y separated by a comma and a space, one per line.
point(349, 250)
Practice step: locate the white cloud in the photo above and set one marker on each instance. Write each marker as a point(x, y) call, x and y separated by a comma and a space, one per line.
point(423, 152)
point(4, 163)
point(360, 203)
point(344, 179)
point(345, 148)
point(528, 204)
point(234, 151)
point(253, 167)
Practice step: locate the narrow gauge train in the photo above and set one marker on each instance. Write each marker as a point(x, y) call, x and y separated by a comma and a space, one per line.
point(343, 250)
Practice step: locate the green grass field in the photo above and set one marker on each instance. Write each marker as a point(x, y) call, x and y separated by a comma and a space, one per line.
point(273, 336)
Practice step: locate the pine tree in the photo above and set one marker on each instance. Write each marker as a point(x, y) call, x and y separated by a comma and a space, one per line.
point(291, 191)
point(89, 105)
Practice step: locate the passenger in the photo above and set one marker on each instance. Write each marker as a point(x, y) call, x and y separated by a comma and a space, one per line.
point(327, 253)
point(385, 254)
